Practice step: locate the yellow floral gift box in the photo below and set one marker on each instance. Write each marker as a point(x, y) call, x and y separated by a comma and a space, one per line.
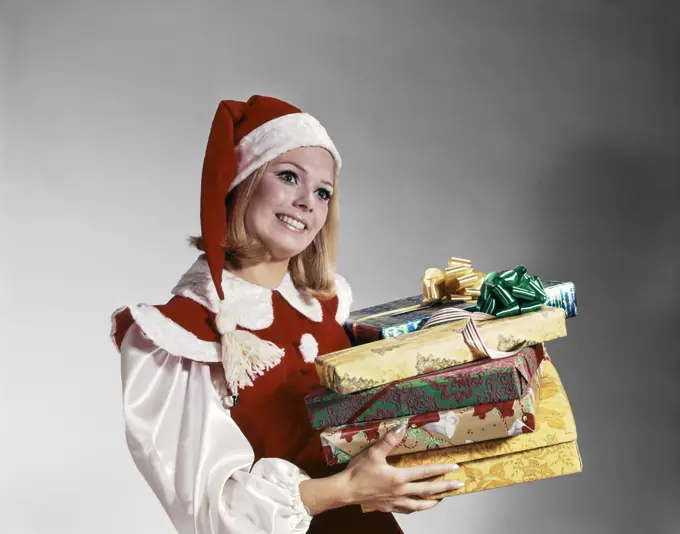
point(387, 360)
point(550, 451)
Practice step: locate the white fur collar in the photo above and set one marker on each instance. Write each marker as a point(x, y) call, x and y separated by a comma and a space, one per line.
point(252, 304)
point(344, 293)
point(255, 312)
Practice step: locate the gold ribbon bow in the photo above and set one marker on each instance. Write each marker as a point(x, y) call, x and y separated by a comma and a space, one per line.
point(459, 282)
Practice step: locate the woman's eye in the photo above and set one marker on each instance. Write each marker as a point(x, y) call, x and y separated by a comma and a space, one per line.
point(288, 176)
point(324, 194)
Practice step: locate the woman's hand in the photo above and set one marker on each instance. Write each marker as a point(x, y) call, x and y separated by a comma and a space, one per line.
point(372, 482)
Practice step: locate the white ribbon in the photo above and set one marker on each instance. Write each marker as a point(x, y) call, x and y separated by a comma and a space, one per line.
point(470, 332)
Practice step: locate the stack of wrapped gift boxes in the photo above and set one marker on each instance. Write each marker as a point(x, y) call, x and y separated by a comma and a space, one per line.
point(465, 368)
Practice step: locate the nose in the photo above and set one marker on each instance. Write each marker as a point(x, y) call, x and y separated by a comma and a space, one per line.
point(305, 200)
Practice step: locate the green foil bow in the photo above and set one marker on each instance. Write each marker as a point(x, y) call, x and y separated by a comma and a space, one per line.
point(509, 293)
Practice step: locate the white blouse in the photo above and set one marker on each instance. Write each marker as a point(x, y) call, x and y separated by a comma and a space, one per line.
point(182, 437)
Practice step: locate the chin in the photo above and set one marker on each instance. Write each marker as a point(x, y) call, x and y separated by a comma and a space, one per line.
point(279, 253)
point(283, 247)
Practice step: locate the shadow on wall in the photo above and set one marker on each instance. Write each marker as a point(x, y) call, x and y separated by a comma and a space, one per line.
point(608, 220)
point(609, 215)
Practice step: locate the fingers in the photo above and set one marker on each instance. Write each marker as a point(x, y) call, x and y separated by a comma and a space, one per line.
point(408, 505)
point(420, 472)
point(383, 447)
point(426, 489)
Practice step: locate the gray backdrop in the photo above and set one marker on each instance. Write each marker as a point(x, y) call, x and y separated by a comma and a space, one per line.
point(542, 133)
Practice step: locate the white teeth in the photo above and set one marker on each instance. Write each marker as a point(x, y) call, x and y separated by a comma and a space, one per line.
point(291, 222)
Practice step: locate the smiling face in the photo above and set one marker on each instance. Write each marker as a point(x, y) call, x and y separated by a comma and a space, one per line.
point(290, 205)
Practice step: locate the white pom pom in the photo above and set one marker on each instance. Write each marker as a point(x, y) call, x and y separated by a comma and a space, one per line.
point(309, 348)
point(224, 320)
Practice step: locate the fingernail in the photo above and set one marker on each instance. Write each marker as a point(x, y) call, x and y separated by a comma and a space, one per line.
point(453, 467)
point(400, 429)
point(457, 484)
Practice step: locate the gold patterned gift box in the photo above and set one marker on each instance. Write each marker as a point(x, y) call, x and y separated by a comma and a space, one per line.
point(550, 451)
point(387, 360)
point(437, 430)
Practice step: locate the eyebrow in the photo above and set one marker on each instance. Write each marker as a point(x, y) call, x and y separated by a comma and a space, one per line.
point(326, 182)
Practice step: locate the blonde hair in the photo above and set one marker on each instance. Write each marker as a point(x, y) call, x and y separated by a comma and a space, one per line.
point(312, 270)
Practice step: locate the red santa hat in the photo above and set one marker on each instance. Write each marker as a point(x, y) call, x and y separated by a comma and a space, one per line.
point(244, 136)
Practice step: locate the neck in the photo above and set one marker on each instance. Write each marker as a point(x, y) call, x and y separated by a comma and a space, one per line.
point(267, 274)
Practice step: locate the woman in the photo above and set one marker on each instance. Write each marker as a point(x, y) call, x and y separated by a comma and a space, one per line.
point(214, 380)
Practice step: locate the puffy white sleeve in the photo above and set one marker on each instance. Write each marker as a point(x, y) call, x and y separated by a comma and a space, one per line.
point(193, 455)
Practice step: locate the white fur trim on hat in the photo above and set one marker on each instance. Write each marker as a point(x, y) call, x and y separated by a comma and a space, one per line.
point(309, 348)
point(276, 137)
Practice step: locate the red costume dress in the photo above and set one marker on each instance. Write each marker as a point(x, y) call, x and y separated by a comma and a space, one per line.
point(218, 467)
